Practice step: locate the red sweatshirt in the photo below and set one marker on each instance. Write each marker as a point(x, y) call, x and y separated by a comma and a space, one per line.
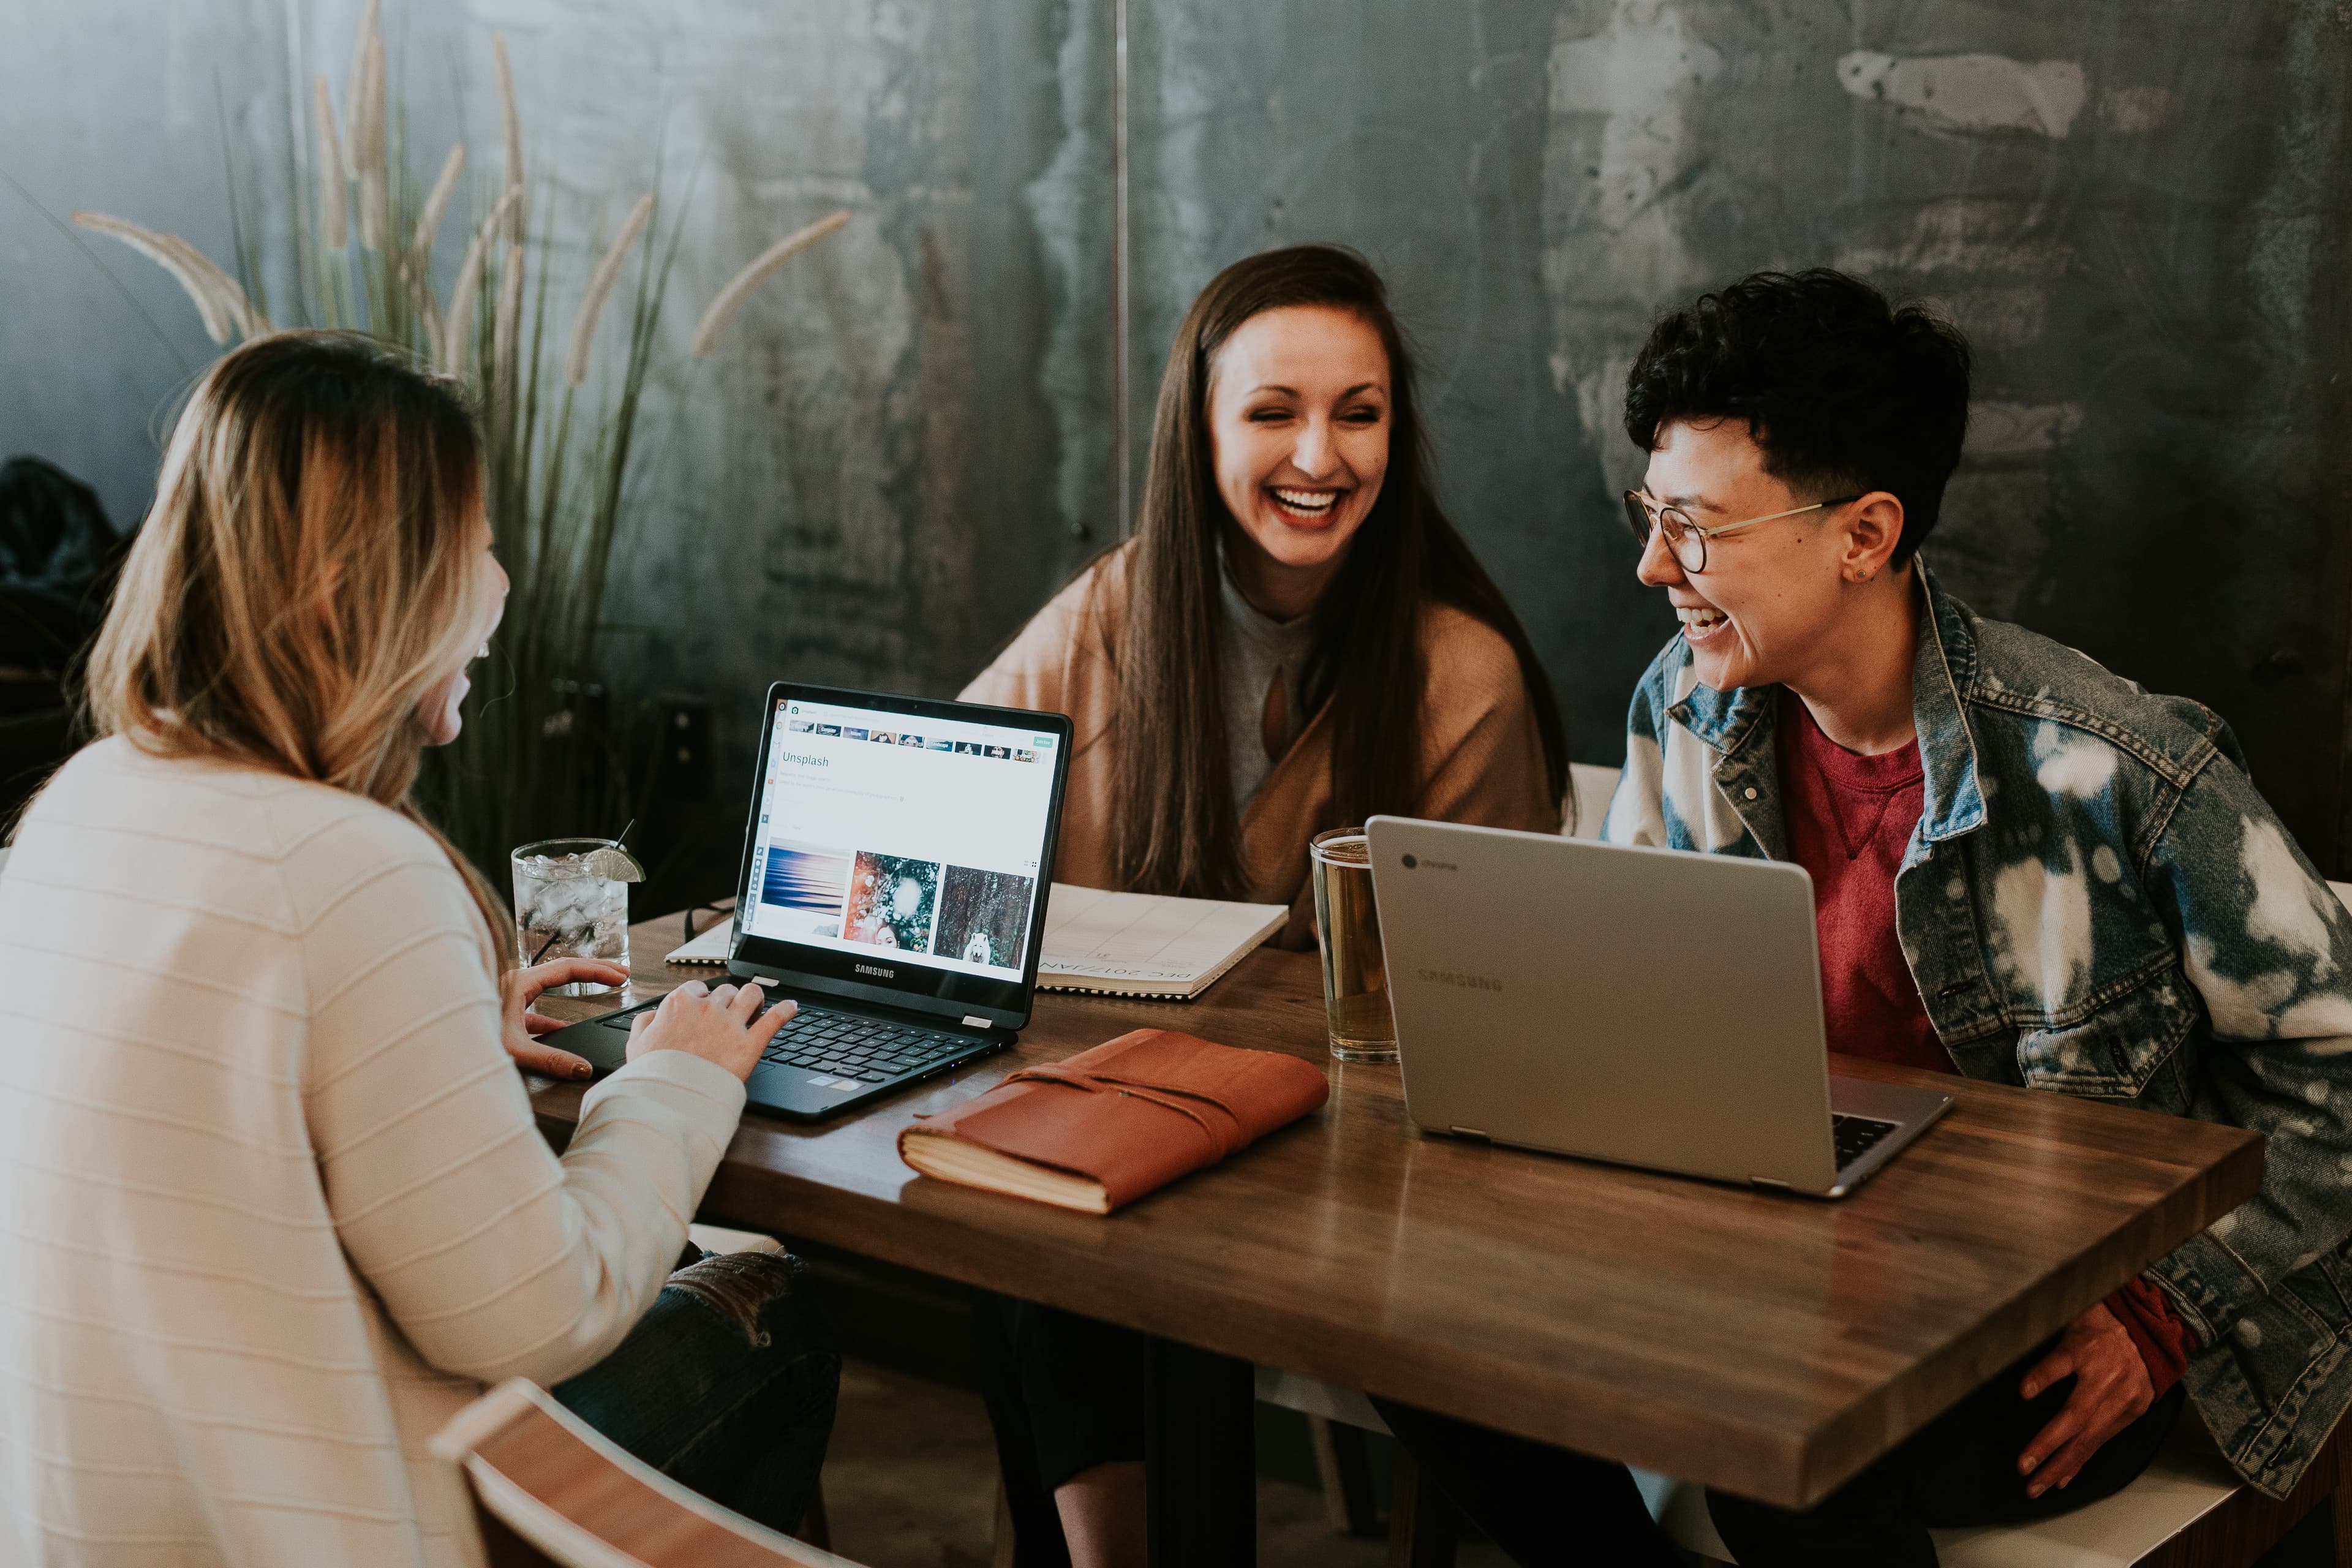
point(1849, 820)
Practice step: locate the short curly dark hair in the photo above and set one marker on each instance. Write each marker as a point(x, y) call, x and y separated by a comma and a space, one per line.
point(1843, 393)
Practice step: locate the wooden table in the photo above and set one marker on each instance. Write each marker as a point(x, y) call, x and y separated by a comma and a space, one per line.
point(1763, 1343)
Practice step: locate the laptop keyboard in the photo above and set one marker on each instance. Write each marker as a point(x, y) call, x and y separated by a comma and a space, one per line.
point(871, 1050)
point(1856, 1136)
point(847, 1045)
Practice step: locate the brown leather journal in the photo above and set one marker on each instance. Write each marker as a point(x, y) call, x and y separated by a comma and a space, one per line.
point(1113, 1124)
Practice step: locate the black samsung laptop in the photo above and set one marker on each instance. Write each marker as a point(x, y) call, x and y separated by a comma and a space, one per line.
point(894, 882)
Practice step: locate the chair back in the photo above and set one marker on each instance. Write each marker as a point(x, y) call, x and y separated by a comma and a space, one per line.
point(1590, 788)
point(548, 1488)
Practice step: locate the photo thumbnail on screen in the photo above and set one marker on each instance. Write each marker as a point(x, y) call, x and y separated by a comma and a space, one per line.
point(893, 901)
point(984, 916)
point(810, 884)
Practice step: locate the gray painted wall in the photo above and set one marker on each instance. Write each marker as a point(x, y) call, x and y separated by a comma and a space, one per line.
point(2137, 208)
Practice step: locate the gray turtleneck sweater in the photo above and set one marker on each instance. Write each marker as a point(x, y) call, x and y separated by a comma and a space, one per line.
point(1253, 651)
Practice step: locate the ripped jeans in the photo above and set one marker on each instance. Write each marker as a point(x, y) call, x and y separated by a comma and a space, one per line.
point(725, 1386)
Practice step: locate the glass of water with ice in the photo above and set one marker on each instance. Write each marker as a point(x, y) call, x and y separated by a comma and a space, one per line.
point(569, 903)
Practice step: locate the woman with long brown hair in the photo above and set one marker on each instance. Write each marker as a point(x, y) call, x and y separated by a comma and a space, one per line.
point(272, 1202)
point(1295, 639)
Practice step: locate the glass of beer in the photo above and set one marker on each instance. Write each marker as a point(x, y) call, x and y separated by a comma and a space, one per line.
point(1347, 929)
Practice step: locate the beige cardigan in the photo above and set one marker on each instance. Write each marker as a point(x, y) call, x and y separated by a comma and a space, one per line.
point(1480, 749)
point(272, 1202)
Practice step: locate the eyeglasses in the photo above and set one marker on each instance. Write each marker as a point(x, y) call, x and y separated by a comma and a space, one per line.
point(1687, 539)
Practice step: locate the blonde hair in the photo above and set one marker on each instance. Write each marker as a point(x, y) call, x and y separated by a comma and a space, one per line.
point(306, 575)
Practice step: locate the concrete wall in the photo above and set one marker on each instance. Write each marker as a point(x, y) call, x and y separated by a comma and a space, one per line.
point(2137, 208)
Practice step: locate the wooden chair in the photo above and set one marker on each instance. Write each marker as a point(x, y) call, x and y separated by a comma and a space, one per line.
point(549, 1490)
point(1590, 787)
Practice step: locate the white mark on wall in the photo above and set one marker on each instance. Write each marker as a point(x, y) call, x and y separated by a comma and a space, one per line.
point(2042, 926)
point(1970, 92)
point(1965, 234)
point(1634, 73)
point(2138, 108)
point(1995, 317)
point(2066, 762)
point(831, 189)
point(1620, 157)
point(1076, 373)
point(2020, 429)
point(2286, 908)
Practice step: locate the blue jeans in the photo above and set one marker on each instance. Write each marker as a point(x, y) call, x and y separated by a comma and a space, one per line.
point(725, 1386)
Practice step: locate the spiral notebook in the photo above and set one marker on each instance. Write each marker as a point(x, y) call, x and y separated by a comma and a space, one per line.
point(1111, 944)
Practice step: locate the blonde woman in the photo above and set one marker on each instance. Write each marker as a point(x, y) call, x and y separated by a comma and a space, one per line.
point(272, 1203)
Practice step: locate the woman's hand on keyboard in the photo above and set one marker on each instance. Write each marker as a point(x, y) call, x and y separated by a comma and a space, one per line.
point(519, 988)
point(717, 1025)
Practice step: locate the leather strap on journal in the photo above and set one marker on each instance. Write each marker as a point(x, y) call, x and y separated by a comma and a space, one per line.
point(1224, 1134)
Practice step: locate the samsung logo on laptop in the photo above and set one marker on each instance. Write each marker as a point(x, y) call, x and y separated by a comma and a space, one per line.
point(880, 973)
point(1467, 981)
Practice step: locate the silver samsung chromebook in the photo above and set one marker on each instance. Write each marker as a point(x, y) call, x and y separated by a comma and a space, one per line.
point(1652, 1007)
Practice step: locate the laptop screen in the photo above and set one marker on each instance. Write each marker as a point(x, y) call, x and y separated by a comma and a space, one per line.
point(897, 841)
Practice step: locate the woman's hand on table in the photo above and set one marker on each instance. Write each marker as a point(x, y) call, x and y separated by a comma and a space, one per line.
point(519, 988)
point(716, 1025)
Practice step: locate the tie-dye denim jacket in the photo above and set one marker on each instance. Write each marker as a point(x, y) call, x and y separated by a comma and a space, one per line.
point(2095, 901)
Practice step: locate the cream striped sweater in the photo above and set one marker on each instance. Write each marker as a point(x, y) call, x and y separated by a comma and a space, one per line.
point(272, 1205)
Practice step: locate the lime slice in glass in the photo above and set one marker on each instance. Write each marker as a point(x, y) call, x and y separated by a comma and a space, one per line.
point(615, 864)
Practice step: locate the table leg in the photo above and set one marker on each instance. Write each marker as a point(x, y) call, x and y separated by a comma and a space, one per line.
point(1201, 1458)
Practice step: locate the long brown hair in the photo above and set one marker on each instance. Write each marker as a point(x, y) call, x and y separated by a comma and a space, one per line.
point(306, 575)
point(1178, 830)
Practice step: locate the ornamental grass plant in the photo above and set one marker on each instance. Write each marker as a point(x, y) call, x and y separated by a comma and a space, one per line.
point(539, 756)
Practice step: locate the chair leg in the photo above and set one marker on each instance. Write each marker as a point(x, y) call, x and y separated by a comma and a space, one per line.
point(1424, 1529)
point(999, 1554)
point(815, 1528)
point(1343, 1462)
point(502, 1548)
point(2338, 1501)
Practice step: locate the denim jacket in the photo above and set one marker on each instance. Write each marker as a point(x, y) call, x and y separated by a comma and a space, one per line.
point(2098, 901)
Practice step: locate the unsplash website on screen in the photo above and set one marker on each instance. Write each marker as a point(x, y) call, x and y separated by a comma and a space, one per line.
point(919, 835)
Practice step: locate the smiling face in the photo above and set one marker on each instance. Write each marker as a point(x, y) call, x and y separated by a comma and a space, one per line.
point(1769, 605)
point(1299, 416)
point(440, 711)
